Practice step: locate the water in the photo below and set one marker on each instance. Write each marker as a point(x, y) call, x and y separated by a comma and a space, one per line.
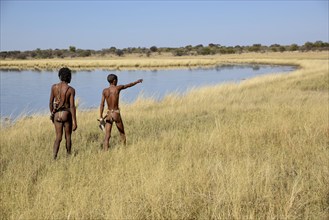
point(27, 92)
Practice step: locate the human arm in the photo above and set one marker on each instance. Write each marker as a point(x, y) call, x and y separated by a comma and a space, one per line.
point(73, 110)
point(51, 99)
point(101, 106)
point(131, 84)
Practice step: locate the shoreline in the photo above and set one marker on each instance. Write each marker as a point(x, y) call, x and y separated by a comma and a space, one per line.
point(12, 117)
point(235, 59)
point(159, 62)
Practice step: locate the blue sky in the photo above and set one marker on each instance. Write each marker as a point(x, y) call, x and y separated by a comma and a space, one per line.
point(27, 25)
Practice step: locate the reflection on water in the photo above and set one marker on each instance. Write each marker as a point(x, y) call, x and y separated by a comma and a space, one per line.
point(27, 92)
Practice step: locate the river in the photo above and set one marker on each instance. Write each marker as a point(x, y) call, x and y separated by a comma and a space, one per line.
point(27, 92)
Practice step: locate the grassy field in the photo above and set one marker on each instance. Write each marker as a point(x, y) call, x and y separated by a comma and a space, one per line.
point(154, 62)
point(254, 150)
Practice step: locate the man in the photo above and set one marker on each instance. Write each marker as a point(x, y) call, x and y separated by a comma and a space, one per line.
point(63, 111)
point(111, 95)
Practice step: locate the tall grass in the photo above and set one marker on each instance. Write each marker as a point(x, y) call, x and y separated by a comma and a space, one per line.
point(254, 150)
point(155, 62)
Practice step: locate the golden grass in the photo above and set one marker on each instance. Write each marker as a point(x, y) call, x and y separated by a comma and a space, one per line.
point(155, 62)
point(253, 150)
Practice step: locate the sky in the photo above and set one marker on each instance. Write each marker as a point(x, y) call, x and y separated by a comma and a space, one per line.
point(28, 25)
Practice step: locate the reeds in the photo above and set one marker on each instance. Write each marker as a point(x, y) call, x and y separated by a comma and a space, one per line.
point(253, 150)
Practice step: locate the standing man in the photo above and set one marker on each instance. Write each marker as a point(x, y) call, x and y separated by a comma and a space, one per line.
point(63, 111)
point(111, 95)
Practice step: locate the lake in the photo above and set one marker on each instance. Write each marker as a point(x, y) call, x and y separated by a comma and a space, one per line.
point(27, 92)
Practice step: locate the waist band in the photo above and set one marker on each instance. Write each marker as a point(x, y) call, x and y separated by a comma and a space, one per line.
point(114, 110)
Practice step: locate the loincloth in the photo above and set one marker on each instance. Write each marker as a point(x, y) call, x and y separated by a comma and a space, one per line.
point(61, 117)
point(110, 118)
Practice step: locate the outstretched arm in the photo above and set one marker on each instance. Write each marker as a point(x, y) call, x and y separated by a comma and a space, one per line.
point(131, 84)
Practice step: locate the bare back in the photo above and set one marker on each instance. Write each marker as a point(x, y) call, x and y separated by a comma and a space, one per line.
point(63, 91)
point(65, 94)
point(111, 96)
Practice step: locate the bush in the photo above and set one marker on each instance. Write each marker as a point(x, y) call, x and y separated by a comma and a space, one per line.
point(179, 52)
point(72, 49)
point(153, 49)
point(119, 52)
point(293, 47)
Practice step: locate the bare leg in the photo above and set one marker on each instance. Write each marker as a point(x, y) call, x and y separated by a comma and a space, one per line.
point(122, 131)
point(59, 133)
point(108, 128)
point(68, 132)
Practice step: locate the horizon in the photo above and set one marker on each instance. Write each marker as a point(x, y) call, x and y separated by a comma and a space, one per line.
point(97, 25)
point(206, 45)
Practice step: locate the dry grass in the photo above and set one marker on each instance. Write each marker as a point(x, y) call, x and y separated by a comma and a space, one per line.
point(155, 62)
point(253, 150)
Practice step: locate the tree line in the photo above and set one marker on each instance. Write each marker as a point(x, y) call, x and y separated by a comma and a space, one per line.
point(189, 50)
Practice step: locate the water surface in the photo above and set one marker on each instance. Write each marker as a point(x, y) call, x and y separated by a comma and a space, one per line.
point(27, 92)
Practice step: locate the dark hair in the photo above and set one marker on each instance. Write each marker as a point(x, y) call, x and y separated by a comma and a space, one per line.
point(64, 74)
point(111, 78)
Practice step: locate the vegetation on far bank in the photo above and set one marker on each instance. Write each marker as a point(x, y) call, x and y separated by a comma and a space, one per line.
point(253, 150)
point(157, 62)
point(189, 50)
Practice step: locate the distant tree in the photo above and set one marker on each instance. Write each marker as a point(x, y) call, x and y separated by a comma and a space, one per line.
point(72, 49)
point(32, 54)
point(325, 46)
point(104, 52)
point(275, 45)
point(169, 49)
point(238, 49)
point(230, 50)
point(148, 53)
point(21, 56)
point(129, 50)
point(205, 51)
point(293, 47)
point(135, 50)
point(3, 54)
point(84, 53)
point(223, 50)
point(308, 46)
point(179, 52)
point(282, 49)
point(153, 49)
point(119, 52)
point(58, 53)
point(255, 48)
point(189, 48)
point(318, 44)
point(113, 49)
point(213, 45)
